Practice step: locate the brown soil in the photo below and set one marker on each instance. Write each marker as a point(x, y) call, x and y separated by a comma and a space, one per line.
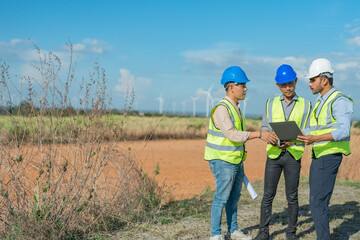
point(185, 174)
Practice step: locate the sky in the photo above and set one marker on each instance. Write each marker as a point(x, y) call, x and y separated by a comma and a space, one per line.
point(178, 50)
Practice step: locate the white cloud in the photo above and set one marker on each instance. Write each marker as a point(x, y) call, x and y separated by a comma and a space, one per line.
point(78, 47)
point(29, 55)
point(21, 54)
point(24, 50)
point(217, 59)
point(353, 27)
point(16, 42)
point(262, 69)
point(200, 92)
point(90, 46)
point(345, 66)
point(128, 80)
point(354, 41)
point(354, 30)
point(15, 48)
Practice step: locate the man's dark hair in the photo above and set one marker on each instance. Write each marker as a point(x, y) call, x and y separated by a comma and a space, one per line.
point(330, 79)
point(226, 85)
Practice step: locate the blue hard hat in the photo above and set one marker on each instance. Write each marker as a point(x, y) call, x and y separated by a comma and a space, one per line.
point(285, 73)
point(234, 74)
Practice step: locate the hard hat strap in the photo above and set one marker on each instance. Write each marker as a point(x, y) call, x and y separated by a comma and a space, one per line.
point(326, 74)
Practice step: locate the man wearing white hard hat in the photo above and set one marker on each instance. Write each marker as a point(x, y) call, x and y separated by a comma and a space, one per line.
point(225, 151)
point(330, 123)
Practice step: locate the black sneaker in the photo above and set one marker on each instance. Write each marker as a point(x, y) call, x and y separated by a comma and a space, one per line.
point(262, 236)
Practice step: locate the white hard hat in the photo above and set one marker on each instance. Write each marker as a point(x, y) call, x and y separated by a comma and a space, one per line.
point(318, 66)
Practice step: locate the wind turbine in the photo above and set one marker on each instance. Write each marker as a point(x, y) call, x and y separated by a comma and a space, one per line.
point(194, 105)
point(208, 99)
point(136, 106)
point(244, 107)
point(212, 102)
point(161, 103)
point(183, 104)
point(174, 107)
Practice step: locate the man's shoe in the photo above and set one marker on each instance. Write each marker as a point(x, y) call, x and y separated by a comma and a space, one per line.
point(291, 236)
point(262, 236)
point(217, 237)
point(237, 235)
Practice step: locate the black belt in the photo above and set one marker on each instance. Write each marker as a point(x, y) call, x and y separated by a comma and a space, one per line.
point(284, 151)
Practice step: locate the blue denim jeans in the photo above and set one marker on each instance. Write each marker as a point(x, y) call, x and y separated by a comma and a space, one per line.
point(228, 182)
point(323, 171)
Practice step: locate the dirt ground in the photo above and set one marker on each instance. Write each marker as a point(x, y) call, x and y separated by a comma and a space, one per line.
point(184, 172)
point(182, 168)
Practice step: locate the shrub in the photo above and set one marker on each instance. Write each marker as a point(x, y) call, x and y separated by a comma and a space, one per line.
point(55, 180)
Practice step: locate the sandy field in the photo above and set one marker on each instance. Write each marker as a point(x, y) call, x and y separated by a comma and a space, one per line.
point(185, 173)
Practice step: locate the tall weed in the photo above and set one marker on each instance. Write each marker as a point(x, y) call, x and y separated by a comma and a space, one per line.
point(56, 159)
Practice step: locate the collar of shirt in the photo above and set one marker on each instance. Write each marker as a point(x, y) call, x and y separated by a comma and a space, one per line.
point(295, 98)
point(323, 98)
point(236, 105)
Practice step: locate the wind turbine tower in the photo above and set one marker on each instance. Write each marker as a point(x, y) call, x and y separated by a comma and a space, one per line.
point(244, 107)
point(174, 108)
point(183, 105)
point(194, 105)
point(161, 103)
point(208, 99)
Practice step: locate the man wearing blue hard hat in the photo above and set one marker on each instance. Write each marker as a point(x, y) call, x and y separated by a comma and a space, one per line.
point(285, 157)
point(225, 151)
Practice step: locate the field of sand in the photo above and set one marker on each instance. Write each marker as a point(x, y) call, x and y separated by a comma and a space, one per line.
point(185, 173)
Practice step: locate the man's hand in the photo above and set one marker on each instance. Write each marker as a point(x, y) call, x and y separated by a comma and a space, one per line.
point(284, 145)
point(308, 139)
point(269, 137)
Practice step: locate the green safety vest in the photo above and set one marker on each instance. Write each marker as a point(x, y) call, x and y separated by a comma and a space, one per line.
point(325, 123)
point(217, 145)
point(299, 114)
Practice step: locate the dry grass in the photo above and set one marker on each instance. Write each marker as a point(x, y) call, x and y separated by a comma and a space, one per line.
point(122, 127)
point(190, 219)
point(56, 184)
point(350, 165)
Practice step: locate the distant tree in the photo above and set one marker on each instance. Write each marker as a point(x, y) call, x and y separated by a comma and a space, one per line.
point(69, 111)
point(24, 109)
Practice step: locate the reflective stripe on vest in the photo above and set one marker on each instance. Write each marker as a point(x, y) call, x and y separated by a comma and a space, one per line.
point(217, 145)
point(299, 114)
point(325, 123)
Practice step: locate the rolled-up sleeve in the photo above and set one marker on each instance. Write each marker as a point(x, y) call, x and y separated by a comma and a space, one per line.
point(223, 122)
point(306, 130)
point(264, 122)
point(342, 110)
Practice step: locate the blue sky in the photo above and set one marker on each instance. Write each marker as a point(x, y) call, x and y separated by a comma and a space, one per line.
point(179, 49)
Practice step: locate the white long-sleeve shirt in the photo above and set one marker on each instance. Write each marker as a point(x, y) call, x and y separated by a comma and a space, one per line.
point(222, 121)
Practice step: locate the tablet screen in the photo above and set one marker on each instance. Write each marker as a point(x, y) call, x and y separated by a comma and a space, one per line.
point(286, 131)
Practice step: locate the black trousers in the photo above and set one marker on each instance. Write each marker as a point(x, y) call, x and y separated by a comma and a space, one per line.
point(291, 167)
point(323, 171)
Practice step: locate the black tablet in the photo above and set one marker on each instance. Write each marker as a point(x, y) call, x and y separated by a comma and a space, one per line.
point(286, 131)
